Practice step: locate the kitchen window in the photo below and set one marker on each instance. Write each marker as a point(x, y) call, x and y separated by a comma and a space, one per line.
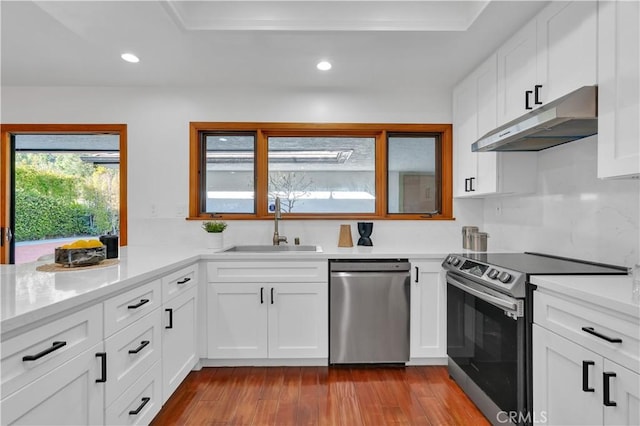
point(320, 171)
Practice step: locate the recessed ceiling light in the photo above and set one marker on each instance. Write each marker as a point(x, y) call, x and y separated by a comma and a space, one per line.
point(324, 66)
point(130, 57)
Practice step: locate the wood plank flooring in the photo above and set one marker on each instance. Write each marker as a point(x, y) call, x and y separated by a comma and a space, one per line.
point(336, 396)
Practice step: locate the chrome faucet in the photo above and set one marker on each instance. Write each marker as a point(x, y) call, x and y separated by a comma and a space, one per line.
point(277, 216)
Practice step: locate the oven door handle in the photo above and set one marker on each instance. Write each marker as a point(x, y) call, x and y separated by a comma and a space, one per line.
point(496, 301)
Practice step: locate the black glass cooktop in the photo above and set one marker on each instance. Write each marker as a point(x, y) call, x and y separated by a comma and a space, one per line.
point(544, 264)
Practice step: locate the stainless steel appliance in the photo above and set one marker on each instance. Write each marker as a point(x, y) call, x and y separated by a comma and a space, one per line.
point(571, 117)
point(489, 317)
point(369, 311)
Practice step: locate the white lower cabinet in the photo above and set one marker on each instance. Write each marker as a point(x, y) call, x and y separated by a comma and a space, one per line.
point(268, 320)
point(179, 345)
point(578, 352)
point(268, 310)
point(428, 309)
point(141, 402)
point(71, 394)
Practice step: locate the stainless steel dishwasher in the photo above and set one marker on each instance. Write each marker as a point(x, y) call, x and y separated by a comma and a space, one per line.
point(369, 311)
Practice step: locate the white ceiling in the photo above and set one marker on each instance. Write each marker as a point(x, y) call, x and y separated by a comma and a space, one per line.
point(373, 45)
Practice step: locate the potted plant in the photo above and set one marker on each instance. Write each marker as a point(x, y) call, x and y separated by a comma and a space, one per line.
point(214, 233)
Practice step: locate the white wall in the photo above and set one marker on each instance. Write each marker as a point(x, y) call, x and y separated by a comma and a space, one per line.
point(573, 213)
point(158, 138)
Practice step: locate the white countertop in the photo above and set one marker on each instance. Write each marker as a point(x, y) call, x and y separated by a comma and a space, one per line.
point(610, 291)
point(29, 296)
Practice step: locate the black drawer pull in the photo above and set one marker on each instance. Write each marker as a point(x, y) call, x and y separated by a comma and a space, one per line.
point(261, 295)
point(102, 355)
point(135, 412)
point(590, 330)
point(417, 274)
point(143, 345)
point(54, 347)
point(606, 396)
point(272, 295)
point(186, 280)
point(137, 305)
point(170, 318)
point(585, 376)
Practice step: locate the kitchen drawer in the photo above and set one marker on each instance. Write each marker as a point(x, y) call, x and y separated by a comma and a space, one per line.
point(78, 331)
point(179, 281)
point(267, 271)
point(123, 367)
point(146, 392)
point(123, 310)
point(568, 317)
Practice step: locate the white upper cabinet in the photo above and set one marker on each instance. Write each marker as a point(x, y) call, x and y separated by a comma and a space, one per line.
point(478, 174)
point(618, 89)
point(567, 40)
point(549, 57)
point(517, 74)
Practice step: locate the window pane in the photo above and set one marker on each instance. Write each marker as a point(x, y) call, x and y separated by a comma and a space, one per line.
point(323, 174)
point(229, 184)
point(412, 174)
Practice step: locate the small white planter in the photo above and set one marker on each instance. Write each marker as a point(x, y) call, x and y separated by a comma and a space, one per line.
point(215, 240)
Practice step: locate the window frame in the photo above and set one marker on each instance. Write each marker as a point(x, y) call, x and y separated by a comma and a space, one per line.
point(263, 131)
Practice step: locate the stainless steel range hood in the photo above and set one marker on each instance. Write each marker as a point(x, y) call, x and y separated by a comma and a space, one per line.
point(571, 117)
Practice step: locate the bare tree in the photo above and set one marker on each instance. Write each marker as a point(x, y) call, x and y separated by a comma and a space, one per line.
point(290, 187)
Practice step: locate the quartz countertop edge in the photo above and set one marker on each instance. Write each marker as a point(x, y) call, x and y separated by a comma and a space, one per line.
point(30, 297)
point(609, 291)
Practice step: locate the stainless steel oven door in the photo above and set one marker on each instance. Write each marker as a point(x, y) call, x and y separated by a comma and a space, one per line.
point(486, 347)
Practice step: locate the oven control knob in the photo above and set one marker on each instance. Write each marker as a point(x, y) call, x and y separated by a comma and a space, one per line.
point(504, 277)
point(449, 259)
point(455, 261)
point(493, 273)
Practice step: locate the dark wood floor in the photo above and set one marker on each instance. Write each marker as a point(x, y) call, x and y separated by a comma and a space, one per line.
point(319, 396)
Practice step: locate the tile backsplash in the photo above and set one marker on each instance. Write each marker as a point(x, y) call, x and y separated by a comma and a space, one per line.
point(573, 213)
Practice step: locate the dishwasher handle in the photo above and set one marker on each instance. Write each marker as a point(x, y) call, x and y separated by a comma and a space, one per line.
point(396, 265)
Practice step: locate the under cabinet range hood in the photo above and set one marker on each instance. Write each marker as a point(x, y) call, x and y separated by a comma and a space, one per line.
point(571, 117)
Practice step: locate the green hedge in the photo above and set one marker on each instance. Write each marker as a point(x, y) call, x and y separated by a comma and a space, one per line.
point(43, 216)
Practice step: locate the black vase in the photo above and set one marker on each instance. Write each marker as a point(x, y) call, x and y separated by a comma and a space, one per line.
point(365, 229)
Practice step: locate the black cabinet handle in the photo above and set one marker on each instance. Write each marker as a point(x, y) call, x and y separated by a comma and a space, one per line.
point(54, 347)
point(186, 280)
point(536, 97)
point(590, 330)
point(102, 355)
point(606, 397)
point(143, 345)
point(471, 188)
point(585, 376)
point(170, 318)
point(261, 295)
point(417, 274)
point(135, 412)
point(526, 99)
point(466, 185)
point(272, 295)
point(137, 305)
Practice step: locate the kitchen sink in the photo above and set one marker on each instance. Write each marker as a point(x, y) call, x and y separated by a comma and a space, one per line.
point(270, 249)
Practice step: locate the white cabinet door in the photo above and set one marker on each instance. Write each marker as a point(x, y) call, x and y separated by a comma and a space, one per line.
point(68, 395)
point(562, 393)
point(625, 392)
point(237, 320)
point(567, 35)
point(179, 346)
point(486, 79)
point(298, 320)
point(618, 89)
point(428, 310)
point(465, 133)
point(516, 73)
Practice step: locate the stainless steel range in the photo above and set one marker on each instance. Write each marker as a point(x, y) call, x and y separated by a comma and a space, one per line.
point(489, 317)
